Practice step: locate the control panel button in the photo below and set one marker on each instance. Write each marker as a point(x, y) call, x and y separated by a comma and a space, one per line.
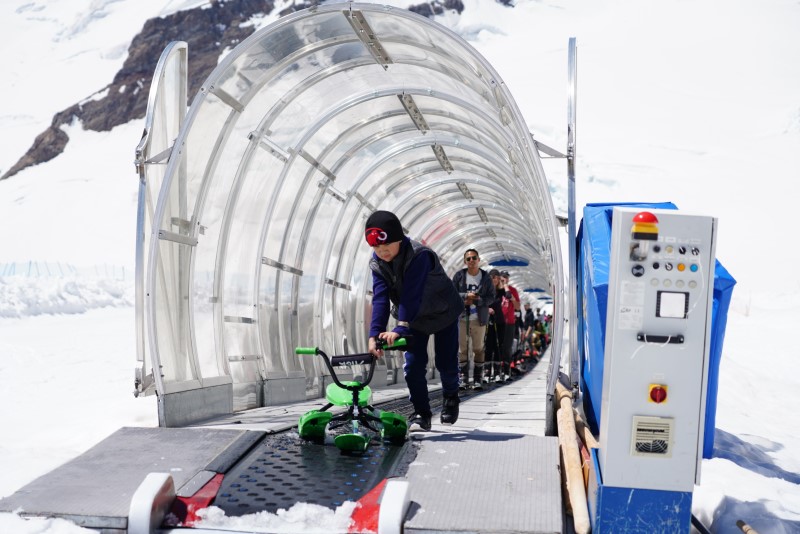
point(637, 270)
point(681, 250)
point(695, 251)
point(658, 393)
point(681, 267)
point(656, 265)
point(693, 267)
point(668, 266)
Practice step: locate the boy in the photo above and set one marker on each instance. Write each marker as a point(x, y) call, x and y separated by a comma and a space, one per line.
point(408, 280)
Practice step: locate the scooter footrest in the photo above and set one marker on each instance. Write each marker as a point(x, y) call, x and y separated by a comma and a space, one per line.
point(351, 442)
point(395, 426)
point(312, 424)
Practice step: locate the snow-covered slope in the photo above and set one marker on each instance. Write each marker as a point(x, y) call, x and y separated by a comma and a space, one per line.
point(697, 103)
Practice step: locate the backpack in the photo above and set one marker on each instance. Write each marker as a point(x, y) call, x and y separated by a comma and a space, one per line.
point(508, 310)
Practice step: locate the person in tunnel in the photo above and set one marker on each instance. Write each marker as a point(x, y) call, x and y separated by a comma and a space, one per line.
point(475, 287)
point(496, 329)
point(510, 310)
point(409, 282)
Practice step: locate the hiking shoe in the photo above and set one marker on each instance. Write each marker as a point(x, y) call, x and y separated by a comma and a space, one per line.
point(419, 423)
point(450, 409)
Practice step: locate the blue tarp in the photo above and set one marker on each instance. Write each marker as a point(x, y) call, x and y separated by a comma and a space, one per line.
point(593, 246)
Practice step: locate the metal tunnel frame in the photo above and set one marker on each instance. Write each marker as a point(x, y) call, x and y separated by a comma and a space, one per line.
point(252, 204)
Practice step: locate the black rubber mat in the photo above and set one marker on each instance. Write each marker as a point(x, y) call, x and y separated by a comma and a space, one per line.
point(284, 470)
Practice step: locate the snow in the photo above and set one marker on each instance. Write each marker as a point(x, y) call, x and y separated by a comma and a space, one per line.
point(301, 517)
point(694, 102)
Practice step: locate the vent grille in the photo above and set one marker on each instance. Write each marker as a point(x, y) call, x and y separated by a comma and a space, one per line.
point(652, 436)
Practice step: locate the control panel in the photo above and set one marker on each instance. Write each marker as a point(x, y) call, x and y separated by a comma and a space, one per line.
point(661, 279)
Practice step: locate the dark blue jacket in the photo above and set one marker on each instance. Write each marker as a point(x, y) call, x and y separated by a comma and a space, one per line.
point(414, 288)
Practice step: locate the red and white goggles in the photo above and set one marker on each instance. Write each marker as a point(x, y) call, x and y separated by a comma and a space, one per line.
point(375, 236)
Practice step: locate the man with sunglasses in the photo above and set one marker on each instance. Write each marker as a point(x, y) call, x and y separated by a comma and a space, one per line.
point(475, 287)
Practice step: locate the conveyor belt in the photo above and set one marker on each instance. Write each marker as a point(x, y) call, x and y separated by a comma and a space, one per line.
point(283, 470)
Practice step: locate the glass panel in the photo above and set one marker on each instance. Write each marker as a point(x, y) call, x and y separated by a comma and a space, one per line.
point(171, 319)
point(165, 113)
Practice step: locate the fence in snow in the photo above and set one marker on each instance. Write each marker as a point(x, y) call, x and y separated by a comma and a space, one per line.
point(48, 269)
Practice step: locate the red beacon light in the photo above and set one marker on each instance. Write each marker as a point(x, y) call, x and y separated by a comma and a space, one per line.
point(645, 217)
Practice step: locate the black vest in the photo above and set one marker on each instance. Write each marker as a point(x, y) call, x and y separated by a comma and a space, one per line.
point(441, 305)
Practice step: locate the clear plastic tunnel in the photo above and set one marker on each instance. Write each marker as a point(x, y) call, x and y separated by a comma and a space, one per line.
point(252, 205)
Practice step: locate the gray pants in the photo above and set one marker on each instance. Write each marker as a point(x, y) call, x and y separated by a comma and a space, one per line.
point(476, 335)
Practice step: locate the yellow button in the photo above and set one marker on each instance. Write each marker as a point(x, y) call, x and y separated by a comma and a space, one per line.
point(681, 267)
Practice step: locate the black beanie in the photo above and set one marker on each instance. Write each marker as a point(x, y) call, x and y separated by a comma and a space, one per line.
point(383, 227)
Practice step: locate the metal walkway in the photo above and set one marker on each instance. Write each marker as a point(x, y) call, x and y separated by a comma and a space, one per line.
point(494, 470)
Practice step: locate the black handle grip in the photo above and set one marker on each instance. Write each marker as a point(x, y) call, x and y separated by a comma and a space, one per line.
point(352, 359)
point(651, 338)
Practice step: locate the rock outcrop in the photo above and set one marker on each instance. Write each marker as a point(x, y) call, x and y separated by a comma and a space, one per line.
point(208, 31)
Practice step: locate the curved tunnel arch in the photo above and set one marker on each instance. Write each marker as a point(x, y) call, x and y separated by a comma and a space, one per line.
point(255, 244)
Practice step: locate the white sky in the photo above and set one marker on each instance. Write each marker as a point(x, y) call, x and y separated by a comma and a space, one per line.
point(694, 102)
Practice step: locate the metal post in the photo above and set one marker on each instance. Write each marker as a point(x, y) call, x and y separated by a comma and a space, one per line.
point(572, 80)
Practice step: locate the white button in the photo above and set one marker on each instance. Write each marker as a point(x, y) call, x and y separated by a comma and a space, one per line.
point(679, 283)
point(667, 283)
point(654, 282)
point(692, 284)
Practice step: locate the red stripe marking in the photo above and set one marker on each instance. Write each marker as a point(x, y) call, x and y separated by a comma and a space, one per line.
point(365, 516)
point(185, 508)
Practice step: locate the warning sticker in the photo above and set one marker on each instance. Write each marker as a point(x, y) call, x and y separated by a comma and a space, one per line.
point(630, 315)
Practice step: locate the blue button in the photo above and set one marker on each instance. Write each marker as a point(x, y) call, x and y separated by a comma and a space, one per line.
point(693, 268)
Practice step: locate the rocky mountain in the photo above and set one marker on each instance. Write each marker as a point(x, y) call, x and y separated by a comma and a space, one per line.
point(209, 31)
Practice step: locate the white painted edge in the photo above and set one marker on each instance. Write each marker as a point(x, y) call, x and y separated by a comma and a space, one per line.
point(150, 503)
point(395, 501)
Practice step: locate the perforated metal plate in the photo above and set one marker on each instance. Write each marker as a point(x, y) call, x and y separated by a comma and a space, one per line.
point(284, 470)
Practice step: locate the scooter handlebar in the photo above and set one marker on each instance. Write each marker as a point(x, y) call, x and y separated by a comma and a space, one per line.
point(400, 343)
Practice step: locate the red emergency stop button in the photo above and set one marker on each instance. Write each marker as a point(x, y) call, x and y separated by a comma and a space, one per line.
point(645, 217)
point(658, 393)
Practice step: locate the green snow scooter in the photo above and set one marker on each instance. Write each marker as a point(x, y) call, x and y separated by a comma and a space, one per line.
point(316, 425)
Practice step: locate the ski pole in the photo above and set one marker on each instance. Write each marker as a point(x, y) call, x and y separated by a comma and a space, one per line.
point(498, 353)
point(467, 349)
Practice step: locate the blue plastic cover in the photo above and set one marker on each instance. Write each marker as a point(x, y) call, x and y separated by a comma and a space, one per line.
point(593, 246)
